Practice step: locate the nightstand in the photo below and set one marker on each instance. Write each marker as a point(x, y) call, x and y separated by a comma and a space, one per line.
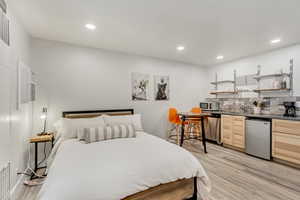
point(40, 139)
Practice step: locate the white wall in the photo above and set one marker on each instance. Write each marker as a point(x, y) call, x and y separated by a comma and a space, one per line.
point(271, 62)
point(15, 125)
point(77, 78)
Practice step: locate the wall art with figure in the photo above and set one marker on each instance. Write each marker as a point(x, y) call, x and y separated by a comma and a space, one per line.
point(162, 88)
point(140, 86)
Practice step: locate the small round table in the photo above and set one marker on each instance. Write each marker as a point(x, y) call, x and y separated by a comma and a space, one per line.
point(193, 116)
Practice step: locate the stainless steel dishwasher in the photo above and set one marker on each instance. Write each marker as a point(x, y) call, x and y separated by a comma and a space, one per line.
point(258, 138)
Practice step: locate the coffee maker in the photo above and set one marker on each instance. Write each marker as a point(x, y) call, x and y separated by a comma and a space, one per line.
point(290, 109)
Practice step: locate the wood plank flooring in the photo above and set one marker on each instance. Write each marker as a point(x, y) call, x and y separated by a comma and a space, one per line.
point(235, 176)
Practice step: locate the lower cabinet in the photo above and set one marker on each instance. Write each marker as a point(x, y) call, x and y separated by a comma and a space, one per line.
point(286, 141)
point(286, 147)
point(285, 137)
point(233, 131)
point(226, 129)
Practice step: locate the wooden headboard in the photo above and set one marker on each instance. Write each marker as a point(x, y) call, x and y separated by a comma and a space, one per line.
point(96, 113)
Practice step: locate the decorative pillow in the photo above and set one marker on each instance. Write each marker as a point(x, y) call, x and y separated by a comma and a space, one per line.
point(125, 119)
point(69, 126)
point(101, 133)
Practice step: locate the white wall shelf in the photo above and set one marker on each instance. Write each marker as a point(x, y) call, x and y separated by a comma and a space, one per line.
point(222, 82)
point(271, 90)
point(288, 88)
point(216, 83)
point(271, 76)
point(223, 92)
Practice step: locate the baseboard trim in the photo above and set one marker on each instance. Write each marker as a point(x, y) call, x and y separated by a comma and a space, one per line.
point(284, 162)
point(234, 148)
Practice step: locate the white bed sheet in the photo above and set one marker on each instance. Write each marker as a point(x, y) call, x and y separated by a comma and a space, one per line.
point(115, 169)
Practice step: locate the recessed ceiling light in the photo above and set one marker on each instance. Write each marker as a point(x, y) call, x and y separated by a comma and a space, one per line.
point(90, 26)
point(220, 57)
point(275, 41)
point(180, 48)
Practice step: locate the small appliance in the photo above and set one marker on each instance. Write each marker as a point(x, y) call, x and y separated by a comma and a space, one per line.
point(210, 106)
point(290, 109)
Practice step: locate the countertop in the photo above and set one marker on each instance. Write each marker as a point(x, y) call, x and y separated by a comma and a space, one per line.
point(263, 116)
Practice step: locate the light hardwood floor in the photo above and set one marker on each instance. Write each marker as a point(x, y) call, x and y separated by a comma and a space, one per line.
point(235, 176)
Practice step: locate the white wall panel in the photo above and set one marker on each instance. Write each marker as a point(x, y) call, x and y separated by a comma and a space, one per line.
point(76, 78)
point(4, 115)
point(20, 120)
point(271, 62)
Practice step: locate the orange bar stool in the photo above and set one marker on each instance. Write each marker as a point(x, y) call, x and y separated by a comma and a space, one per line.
point(176, 124)
point(194, 124)
point(196, 110)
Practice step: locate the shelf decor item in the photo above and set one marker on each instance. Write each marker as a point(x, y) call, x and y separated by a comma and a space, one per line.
point(258, 105)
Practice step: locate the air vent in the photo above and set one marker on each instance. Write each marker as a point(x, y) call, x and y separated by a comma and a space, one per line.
point(3, 5)
point(5, 174)
point(4, 26)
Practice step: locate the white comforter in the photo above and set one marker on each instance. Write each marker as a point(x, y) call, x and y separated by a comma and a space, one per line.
point(115, 169)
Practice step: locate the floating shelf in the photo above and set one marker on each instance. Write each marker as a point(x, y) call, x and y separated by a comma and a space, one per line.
point(271, 90)
point(271, 75)
point(244, 90)
point(221, 82)
point(224, 92)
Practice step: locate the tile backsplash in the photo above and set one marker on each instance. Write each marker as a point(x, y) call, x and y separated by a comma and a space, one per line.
point(272, 105)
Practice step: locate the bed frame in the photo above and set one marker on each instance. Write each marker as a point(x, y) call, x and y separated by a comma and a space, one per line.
point(96, 113)
point(177, 190)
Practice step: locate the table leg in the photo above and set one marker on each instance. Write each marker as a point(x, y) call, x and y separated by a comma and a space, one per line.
point(182, 130)
point(203, 134)
point(36, 157)
point(52, 142)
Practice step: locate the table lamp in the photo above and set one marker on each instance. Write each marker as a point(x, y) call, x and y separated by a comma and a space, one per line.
point(44, 117)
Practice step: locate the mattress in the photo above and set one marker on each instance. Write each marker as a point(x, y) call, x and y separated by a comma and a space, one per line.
point(116, 169)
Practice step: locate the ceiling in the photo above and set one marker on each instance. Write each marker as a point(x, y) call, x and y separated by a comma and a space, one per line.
point(207, 28)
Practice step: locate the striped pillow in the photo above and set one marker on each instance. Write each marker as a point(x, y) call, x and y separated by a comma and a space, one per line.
point(101, 133)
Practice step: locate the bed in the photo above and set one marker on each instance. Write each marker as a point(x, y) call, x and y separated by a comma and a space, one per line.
point(145, 167)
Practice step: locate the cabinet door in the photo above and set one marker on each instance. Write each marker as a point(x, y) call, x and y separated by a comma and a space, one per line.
point(238, 132)
point(286, 147)
point(286, 126)
point(226, 129)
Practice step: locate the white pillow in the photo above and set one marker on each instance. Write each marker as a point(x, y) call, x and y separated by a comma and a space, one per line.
point(125, 119)
point(96, 134)
point(70, 126)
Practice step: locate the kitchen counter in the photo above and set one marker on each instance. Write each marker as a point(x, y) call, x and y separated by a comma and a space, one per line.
point(264, 116)
point(262, 139)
